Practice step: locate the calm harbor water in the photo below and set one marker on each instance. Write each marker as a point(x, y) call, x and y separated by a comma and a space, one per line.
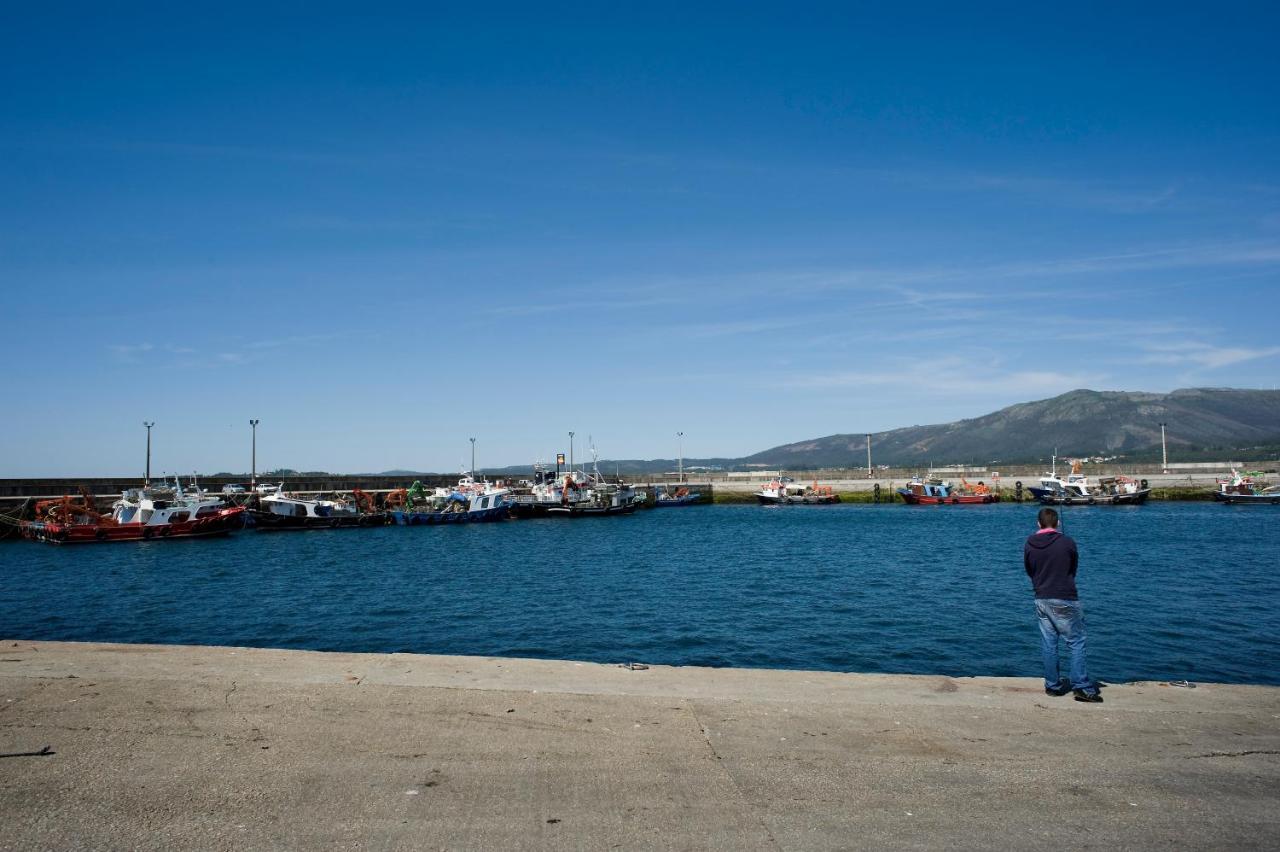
point(1170, 590)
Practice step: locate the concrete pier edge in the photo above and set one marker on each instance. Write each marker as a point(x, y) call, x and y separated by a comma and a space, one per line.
point(153, 746)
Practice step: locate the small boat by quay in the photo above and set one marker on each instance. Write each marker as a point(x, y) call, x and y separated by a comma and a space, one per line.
point(664, 497)
point(1243, 490)
point(784, 492)
point(469, 501)
point(936, 492)
point(1076, 490)
point(281, 511)
point(141, 514)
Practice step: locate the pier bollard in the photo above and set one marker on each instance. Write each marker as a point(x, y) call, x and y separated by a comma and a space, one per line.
point(1017, 491)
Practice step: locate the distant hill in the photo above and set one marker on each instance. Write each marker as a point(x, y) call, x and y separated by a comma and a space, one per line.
point(1078, 423)
point(1203, 424)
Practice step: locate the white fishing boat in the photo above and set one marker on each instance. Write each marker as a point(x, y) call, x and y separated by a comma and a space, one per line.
point(1076, 490)
point(785, 491)
point(284, 511)
point(575, 493)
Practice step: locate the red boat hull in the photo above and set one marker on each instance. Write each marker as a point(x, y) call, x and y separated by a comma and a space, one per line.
point(957, 499)
point(221, 523)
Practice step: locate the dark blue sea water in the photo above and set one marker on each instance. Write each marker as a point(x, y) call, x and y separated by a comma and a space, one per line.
point(1169, 590)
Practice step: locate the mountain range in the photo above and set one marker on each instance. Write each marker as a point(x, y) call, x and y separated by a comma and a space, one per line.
point(1200, 423)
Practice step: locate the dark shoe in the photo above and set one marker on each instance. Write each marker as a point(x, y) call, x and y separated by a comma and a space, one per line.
point(1063, 687)
point(1091, 697)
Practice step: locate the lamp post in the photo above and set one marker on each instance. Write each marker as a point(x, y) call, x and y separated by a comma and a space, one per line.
point(868, 456)
point(148, 424)
point(571, 452)
point(680, 450)
point(473, 457)
point(1164, 450)
point(253, 456)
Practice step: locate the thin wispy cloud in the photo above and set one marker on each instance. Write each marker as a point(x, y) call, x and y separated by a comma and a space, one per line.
point(586, 305)
point(730, 328)
point(1205, 355)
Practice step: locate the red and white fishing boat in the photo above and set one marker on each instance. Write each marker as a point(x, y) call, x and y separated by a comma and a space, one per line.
point(141, 514)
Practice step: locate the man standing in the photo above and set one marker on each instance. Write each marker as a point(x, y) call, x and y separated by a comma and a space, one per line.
point(1050, 559)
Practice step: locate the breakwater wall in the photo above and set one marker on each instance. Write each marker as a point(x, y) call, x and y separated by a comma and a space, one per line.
point(1199, 475)
point(854, 485)
point(16, 492)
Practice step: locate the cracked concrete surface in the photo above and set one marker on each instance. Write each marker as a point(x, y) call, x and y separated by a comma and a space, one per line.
point(155, 747)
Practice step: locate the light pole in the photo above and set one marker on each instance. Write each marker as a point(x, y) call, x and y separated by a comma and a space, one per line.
point(148, 424)
point(1164, 451)
point(473, 457)
point(680, 450)
point(868, 456)
point(253, 456)
point(571, 452)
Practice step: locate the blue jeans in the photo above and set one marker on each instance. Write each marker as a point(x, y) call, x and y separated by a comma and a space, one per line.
point(1065, 619)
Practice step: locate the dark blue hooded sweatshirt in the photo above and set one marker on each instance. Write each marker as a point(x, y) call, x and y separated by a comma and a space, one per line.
point(1050, 559)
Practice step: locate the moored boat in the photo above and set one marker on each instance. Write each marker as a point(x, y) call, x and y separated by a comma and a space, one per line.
point(936, 492)
point(666, 497)
point(1076, 490)
point(141, 514)
point(282, 511)
point(785, 492)
point(1242, 489)
point(467, 502)
point(587, 494)
point(574, 493)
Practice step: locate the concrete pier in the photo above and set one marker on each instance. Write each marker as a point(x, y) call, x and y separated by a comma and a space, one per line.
point(160, 747)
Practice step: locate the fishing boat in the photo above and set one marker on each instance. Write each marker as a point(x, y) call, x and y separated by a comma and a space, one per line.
point(666, 497)
point(282, 511)
point(936, 492)
point(141, 514)
point(575, 493)
point(469, 501)
point(1242, 489)
point(1076, 490)
point(785, 492)
point(588, 493)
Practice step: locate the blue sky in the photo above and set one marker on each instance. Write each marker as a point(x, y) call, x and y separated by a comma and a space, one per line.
point(385, 233)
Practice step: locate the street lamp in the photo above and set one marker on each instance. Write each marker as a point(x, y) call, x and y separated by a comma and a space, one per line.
point(473, 457)
point(1164, 450)
point(148, 424)
point(680, 450)
point(253, 458)
point(868, 456)
point(571, 452)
